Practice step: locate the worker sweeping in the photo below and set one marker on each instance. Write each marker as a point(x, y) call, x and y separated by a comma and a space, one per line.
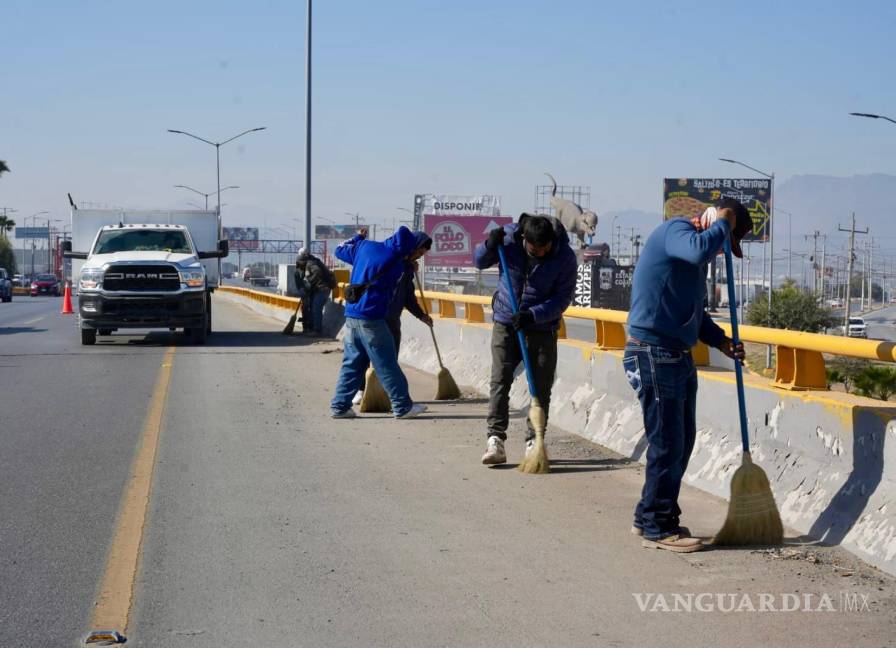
point(666, 319)
point(376, 270)
point(405, 297)
point(317, 281)
point(542, 270)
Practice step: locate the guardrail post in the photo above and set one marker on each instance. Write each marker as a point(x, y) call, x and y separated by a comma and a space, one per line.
point(700, 355)
point(475, 313)
point(446, 308)
point(610, 335)
point(799, 369)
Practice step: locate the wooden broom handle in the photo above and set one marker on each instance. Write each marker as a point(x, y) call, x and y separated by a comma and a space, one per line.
point(431, 331)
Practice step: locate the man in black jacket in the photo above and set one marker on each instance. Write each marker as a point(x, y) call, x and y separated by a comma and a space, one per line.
point(316, 280)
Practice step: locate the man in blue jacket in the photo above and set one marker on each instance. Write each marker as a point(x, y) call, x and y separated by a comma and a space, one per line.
point(367, 339)
point(666, 319)
point(542, 269)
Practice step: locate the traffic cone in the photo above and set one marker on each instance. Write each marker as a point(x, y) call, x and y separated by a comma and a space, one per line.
point(67, 300)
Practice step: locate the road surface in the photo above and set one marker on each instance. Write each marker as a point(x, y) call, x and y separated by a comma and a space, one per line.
point(271, 524)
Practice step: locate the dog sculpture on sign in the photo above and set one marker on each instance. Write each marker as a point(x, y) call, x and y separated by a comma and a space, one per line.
point(577, 221)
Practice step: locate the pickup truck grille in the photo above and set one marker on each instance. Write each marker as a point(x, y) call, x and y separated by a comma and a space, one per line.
point(145, 278)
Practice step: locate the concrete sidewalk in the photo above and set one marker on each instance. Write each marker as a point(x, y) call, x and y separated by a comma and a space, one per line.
point(272, 524)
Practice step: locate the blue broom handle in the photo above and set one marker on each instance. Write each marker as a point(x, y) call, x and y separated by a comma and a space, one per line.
point(735, 337)
point(519, 333)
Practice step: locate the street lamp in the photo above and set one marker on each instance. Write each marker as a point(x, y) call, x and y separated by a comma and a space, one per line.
point(872, 116)
point(217, 146)
point(206, 195)
point(33, 218)
point(771, 246)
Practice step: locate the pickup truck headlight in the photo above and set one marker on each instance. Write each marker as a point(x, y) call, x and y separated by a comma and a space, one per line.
point(193, 278)
point(91, 278)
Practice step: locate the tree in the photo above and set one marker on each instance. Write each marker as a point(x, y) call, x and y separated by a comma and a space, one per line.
point(792, 309)
point(6, 224)
point(7, 257)
point(876, 381)
point(4, 167)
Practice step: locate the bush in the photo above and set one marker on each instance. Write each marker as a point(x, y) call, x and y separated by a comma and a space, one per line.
point(792, 309)
point(844, 370)
point(7, 257)
point(876, 381)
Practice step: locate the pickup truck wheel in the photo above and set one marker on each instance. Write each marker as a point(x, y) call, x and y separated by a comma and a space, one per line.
point(208, 312)
point(88, 336)
point(198, 335)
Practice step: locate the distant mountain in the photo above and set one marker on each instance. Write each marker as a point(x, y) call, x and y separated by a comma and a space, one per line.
point(821, 202)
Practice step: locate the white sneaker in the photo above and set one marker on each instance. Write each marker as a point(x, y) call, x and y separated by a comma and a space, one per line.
point(358, 398)
point(494, 451)
point(349, 413)
point(530, 446)
point(416, 410)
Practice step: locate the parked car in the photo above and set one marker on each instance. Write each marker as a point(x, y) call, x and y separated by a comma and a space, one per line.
point(835, 303)
point(18, 281)
point(5, 286)
point(45, 284)
point(857, 328)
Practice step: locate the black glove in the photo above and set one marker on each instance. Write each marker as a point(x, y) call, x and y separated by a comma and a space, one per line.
point(495, 238)
point(523, 320)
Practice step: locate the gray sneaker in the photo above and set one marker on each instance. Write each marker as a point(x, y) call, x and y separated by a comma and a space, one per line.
point(494, 452)
point(416, 410)
point(347, 414)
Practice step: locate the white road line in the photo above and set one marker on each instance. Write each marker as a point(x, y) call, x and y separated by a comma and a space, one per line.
point(33, 321)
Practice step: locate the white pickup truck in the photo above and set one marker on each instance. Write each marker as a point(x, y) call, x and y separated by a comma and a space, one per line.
point(856, 327)
point(145, 274)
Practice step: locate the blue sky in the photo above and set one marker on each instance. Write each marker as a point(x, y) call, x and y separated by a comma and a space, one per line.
point(425, 96)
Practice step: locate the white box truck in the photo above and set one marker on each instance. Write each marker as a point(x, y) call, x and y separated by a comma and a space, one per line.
point(144, 269)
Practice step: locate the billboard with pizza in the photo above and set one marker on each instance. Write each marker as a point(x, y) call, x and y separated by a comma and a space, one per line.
point(688, 197)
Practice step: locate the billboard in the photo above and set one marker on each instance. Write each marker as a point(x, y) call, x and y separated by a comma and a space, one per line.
point(32, 232)
point(242, 238)
point(455, 237)
point(688, 197)
point(458, 205)
point(336, 232)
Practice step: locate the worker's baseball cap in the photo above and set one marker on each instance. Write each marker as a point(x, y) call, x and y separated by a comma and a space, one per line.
point(743, 224)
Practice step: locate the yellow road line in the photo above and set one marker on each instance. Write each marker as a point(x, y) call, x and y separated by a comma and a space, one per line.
point(113, 605)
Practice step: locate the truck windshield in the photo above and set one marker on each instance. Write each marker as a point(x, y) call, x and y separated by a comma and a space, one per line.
point(111, 241)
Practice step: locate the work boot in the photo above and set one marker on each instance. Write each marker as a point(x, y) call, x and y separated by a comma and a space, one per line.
point(674, 542)
point(416, 410)
point(683, 531)
point(494, 451)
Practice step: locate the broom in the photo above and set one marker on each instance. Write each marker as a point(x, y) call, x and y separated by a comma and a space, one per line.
point(375, 398)
point(537, 460)
point(291, 324)
point(447, 389)
point(753, 517)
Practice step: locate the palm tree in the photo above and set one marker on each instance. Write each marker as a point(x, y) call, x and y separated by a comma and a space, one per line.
point(6, 224)
point(4, 167)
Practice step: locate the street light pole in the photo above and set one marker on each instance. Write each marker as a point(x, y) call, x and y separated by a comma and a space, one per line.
point(206, 195)
point(217, 146)
point(308, 131)
point(771, 247)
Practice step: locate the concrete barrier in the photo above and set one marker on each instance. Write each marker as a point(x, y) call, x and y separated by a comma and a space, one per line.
point(830, 457)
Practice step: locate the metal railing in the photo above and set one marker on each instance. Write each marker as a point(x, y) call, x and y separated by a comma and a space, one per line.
point(800, 356)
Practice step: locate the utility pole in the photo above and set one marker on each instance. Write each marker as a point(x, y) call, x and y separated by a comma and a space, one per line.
point(870, 246)
point(849, 261)
point(824, 240)
point(815, 236)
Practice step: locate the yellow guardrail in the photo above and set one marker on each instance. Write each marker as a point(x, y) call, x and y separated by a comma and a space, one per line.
point(800, 356)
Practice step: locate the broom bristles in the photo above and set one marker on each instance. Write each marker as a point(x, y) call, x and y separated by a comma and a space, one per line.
point(753, 517)
point(290, 326)
point(375, 398)
point(537, 462)
point(447, 389)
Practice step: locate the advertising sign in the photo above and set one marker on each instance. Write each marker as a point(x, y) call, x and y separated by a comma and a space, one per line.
point(603, 286)
point(242, 238)
point(689, 197)
point(455, 237)
point(455, 205)
point(335, 232)
point(32, 232)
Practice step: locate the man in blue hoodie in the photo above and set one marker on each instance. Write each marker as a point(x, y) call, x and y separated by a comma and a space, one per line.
point(367, 340)
point(666, 319)
point(542, 269)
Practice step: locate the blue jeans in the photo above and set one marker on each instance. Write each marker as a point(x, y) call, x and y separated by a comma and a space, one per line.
point(318, 299)
point(369, 342)
point(665, 381)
